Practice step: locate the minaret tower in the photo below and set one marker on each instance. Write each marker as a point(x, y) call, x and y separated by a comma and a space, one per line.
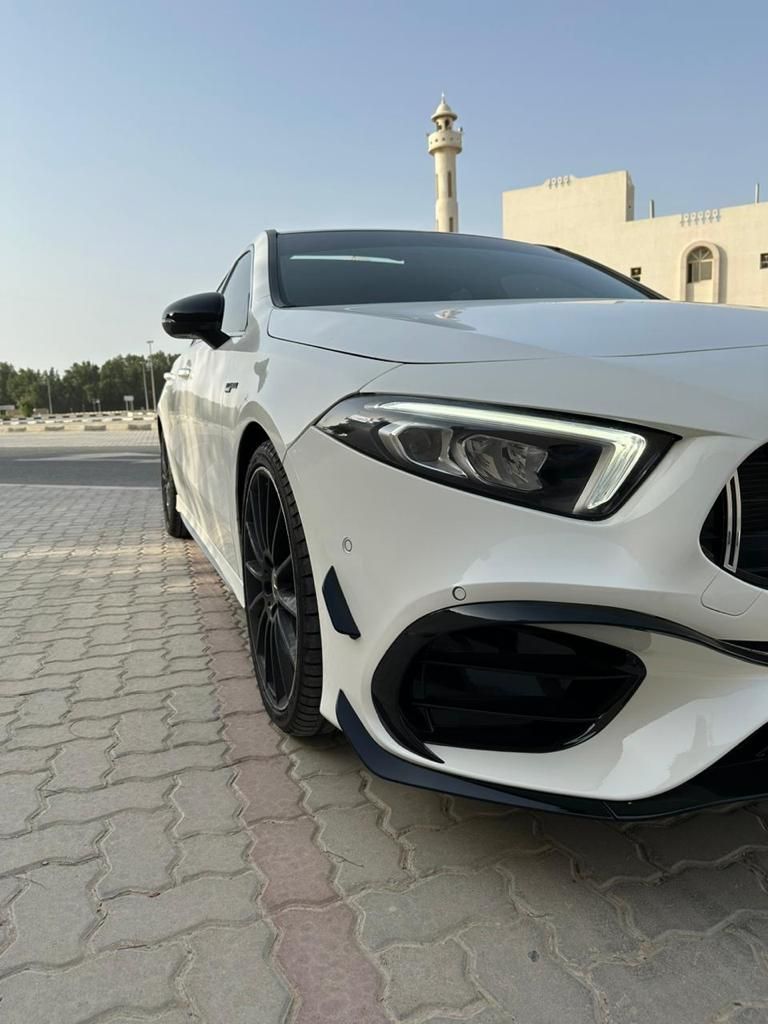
point(444, 143)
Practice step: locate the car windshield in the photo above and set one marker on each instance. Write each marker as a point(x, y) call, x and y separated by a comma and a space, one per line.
point(345, 268)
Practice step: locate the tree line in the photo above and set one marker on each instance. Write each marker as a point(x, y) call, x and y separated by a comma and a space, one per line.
point(84, 387)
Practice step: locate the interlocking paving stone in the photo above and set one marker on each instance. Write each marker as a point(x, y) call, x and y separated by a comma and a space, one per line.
point(44, 708)
point(118, 705)
point(52, 917)
point(166, 762)
point(295, 869)
point(268, 790)
point(599, 851)
point(588, 926)
point(333, 791)
point(694, 901)
point(180, 680)
point(66, 843)
point(427, 978)
point(13, 687)
point(192, 704)
point(190, 905)
point(140, 980)
point(514, 965)
point(192, 733)
point(224, 640)
point(252, 736)
point(19, 799)
point(750, 1015)
point(10, 888)
point(80, 764)
point(100, 803)
point(703, 838)
point(207, 802)
point(213, 854)
point(6, 722)
point(26, 759)
point(433, 908)
point(141, 731)
point(317, 952)
point(477, 841)
point(696, 979)
point(239, 695)
point(144, 831)
point(93, 728)
point(50, 735)
point(365, 855)
point(310, 758)
point(404, 806)
point(229, 980)
point(96, 685)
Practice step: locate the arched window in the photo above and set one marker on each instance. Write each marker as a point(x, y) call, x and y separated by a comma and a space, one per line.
point(699, 268)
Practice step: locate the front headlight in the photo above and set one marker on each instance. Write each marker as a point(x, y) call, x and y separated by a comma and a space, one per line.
point(554, 463)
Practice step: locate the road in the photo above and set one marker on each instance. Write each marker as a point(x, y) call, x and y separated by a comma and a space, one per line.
point(83, 466)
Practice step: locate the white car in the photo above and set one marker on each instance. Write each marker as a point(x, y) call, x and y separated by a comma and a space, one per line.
point(497, 512)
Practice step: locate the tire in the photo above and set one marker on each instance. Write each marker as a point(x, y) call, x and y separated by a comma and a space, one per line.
point(280, 600)
point(174, 524)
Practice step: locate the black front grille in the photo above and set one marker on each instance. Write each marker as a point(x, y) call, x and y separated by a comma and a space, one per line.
point(735, 533)
point(515, 688)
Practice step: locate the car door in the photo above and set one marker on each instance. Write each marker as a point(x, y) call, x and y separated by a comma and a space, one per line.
point(184, 432)
point(205, 390)
point(172, 408)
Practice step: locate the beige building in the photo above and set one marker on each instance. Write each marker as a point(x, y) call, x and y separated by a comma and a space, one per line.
point(444, 144)
point(717, 255)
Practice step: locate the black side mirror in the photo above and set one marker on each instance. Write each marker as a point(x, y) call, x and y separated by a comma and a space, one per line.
point(197, 316)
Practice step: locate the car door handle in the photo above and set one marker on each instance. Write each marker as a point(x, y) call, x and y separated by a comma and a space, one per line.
point(184, 372)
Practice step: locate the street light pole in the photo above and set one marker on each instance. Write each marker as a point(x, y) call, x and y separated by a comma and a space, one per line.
point(144, 378)
point(50, 400)
point(152, 376)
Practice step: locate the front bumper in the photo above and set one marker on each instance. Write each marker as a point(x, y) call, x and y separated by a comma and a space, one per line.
point(401, 546)
point(740, 775)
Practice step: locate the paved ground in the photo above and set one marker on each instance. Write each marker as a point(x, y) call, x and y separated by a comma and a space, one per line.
point(167, 856)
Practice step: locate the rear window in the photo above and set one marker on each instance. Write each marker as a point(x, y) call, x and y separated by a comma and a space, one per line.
point(347, 268)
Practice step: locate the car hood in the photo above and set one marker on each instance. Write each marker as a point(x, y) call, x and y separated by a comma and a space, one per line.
point(429, 332)
point(718, 391)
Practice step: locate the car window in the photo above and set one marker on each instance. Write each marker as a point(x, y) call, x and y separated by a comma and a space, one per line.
point(340, 268)
point(237, 297)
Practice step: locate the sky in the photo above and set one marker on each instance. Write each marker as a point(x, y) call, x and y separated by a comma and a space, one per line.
point(144, 144)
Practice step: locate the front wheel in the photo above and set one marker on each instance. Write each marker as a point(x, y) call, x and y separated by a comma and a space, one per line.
point(280, 602)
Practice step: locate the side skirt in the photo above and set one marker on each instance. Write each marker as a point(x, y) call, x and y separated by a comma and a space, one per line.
point(217, 560)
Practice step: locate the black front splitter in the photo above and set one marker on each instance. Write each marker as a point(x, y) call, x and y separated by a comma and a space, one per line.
point(721, 784)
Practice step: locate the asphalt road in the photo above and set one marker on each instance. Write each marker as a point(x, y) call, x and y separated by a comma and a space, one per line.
point(81, 466)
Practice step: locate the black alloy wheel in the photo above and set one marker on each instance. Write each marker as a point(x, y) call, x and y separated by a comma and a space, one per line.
point(174, 524)
point(280, 603)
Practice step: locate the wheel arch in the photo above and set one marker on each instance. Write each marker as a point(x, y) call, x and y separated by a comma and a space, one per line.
point(252, 436)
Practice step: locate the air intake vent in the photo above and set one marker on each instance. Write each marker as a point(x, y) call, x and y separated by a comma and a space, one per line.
point(515, 688)
point(735, 533)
